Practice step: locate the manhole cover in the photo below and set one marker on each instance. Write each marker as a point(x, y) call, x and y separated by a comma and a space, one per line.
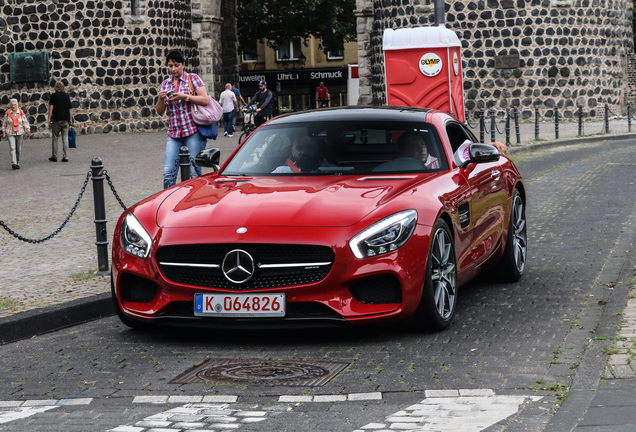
point(263, 372)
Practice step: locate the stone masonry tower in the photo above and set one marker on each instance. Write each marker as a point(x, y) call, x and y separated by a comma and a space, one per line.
point(110, 55)
point(565, 53)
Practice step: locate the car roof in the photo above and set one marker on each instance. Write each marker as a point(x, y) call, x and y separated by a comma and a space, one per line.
point(356, 113)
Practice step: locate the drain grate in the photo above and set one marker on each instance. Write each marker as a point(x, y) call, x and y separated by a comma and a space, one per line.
point(309, 373)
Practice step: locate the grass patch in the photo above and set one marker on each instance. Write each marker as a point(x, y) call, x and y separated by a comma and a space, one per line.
point(8, 304)
point(88, 274)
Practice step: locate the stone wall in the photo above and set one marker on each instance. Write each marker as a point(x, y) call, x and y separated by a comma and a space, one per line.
point(565, 53)
point(630, 94)
point(111, 61)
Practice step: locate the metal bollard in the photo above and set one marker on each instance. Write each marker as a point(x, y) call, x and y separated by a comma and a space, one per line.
point(97, 169)
point(493, 126)
point(580, 120)
point(606, 118)
point(516, 111)
point(184, 162)
point(556, 122)
point(629, 116)
point(507, 126)
point(536, 122)
point(482, 125)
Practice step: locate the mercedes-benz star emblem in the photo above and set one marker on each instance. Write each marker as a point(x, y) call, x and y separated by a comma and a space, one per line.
point(238, 266)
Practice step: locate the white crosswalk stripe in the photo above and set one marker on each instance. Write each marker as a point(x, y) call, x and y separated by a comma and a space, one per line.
point(196, 417)
point(451, 411)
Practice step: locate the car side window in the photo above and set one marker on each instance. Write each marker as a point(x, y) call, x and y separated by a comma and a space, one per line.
point(457, 134)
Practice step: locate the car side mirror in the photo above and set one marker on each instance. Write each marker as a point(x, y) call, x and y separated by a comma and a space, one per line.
point(209, 158)
point(480, 153)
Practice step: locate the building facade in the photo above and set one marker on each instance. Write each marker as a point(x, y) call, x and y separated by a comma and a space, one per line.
point(295, 70)
point(523, 53)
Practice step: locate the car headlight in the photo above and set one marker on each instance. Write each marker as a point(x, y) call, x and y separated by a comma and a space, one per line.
point(385, 235)
point(134, 238)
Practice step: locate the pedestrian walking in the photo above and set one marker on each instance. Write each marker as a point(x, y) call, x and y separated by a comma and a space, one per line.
point(175, 97)
point(14, 126)
point(60, 119)
point(230, 108)
point(237, 93)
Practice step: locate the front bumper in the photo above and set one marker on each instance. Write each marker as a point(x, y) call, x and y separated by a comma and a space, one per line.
point(335, 300)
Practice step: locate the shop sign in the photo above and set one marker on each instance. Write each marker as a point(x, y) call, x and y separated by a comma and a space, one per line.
point(311, 76)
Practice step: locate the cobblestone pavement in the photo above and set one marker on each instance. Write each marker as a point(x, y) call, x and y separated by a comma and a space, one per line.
point(501, 342)
point(37, 198)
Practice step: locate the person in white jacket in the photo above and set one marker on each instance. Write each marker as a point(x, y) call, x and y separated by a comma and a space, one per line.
point(230, 108)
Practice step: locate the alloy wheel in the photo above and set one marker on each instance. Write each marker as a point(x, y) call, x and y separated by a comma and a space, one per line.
point(444, 276)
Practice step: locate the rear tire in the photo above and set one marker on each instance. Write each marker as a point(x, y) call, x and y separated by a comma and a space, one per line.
point(439, 296)
point(513, 261)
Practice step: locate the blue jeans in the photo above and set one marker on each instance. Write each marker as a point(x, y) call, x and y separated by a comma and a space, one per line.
point(195, 144)
point(228, 122)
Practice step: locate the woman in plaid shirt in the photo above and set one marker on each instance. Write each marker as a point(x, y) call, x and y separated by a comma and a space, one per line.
point(174, 95)
point(14, 125)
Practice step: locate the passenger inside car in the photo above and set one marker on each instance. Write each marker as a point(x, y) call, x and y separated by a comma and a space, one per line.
point(306, 156)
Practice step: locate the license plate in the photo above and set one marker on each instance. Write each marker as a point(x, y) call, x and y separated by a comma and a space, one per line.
point(239, 305)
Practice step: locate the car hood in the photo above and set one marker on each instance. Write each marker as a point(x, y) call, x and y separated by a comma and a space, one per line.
point(324, 201)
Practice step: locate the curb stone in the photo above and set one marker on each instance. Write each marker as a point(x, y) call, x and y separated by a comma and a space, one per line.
point(34, 322)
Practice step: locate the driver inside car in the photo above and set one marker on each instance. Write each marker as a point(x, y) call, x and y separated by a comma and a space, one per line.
point(414, 154)
point(412, 145)
point(305, 157)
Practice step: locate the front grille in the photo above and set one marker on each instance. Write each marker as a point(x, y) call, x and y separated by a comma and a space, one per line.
point(262, 254)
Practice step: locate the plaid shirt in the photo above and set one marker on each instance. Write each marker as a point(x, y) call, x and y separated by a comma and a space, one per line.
point(180, 112)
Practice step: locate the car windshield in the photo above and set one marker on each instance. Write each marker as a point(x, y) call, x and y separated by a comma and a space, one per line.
point(339, 148)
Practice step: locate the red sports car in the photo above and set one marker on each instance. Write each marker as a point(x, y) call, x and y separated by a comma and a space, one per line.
point(321, 218)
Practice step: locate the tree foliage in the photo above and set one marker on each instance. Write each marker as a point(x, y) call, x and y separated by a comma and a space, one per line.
point(332, 22)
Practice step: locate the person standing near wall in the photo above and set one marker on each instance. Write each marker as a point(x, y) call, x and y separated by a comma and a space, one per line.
point(60, 119)
point(14, 125)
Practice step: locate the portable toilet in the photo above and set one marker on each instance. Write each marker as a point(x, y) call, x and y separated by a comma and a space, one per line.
point(424, 69)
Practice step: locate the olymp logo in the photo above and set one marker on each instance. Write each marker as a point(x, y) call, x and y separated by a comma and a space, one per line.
point(430, 64)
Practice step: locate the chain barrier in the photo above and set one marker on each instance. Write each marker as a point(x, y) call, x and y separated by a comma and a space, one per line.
point(497, 128)
point(50, 236)
point(173, 174)
point(469, 124)
point(112, 189)
point(602, 128)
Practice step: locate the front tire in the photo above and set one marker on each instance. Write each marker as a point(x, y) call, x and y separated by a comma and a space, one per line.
point(439, 296)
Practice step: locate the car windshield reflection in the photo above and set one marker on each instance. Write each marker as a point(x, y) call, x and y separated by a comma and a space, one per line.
point(339, 148)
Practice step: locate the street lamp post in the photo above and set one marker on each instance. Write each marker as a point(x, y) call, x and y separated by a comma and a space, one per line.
point(301, 64)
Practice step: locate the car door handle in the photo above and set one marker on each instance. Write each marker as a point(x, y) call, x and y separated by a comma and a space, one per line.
point(496, 174)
